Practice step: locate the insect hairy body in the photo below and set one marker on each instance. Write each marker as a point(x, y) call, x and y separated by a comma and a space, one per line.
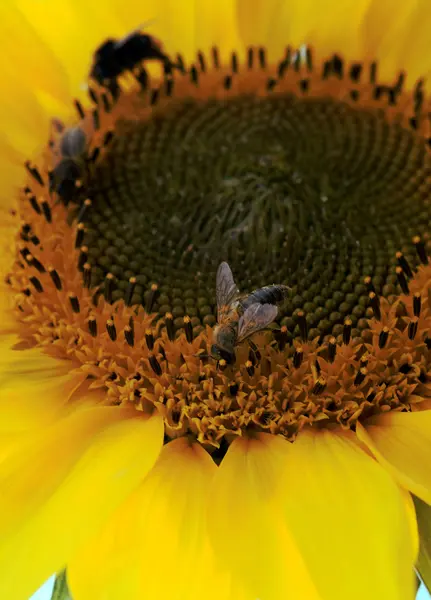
point(69, 155)
point(241, 315)
point(116, 56)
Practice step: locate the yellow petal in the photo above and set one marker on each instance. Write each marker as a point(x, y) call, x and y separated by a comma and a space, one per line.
point(26, 58)
point(216, 25)
point(10, 442)
point(8, 321)
point(255, 19)
point(9, 226)
point(159, 530)
point(329, 27)
point(24, 487)
point(31, 73)
point(412, 520)
point(63, 486)
point(247, 528)
point(197, 26)
point(397, 33)
point(12, 175)
point(423, 515)
point(379, 42)
point(349, 519)
point(402, 443)
point(411, 42)
point(71, 30)
point(34, 387)
point(23, 122)
point(139, 14)
point(413, 51)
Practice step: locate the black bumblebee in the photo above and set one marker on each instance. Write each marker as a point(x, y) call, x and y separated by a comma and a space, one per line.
point(115, 57)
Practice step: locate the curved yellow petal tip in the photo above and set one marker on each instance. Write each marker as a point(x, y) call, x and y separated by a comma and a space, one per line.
point(246, 526)
point(402, 443)
point(159, 529)
point(70, 31)
point(28, 59)
point(101, 456)
point(34, 387)
point(344, 509)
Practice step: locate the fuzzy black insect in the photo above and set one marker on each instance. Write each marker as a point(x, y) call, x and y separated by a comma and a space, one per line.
point(115, 57)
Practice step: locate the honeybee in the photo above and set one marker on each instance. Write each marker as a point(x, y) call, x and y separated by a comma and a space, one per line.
point(115, 57)
point(241, 315)
point(71, 156)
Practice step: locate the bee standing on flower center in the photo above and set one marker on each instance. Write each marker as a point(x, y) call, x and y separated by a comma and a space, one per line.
point(71, 158)
point(114, 57)
point(241, 315)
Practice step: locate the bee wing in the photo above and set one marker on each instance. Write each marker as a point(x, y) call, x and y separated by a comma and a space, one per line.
point(73, 142)
point(255, 318)
point(226, 289)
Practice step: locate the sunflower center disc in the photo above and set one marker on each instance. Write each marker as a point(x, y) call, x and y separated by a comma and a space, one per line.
point(312, 193)
point(326, 196)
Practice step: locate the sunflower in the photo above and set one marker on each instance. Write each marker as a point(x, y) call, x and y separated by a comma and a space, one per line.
point(291, 140)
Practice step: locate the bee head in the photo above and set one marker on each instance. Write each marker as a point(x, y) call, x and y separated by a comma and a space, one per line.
point(218, 353)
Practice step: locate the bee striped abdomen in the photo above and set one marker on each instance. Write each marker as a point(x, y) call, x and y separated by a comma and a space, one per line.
point(270, 294)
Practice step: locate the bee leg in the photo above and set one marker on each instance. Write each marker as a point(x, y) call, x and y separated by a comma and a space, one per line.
point(142, 78)
point(51, 182)
point(252, 345)
point(254, 354)
point(114, 88)
point(87, 168)
point(168, 66)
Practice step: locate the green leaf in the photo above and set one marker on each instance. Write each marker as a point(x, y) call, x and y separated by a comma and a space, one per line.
point(423, 516)
point(61, 591)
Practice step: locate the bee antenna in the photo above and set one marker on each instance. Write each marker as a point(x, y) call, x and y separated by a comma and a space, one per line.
point(144, 25)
